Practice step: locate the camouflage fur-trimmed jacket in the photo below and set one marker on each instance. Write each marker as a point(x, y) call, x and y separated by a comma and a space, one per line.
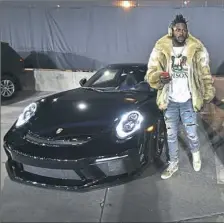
point(200, 79)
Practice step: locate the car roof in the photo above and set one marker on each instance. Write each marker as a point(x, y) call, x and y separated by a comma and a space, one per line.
point(126, 65)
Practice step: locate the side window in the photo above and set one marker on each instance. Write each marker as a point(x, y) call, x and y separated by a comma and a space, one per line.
point(134, 75)
point(140, 74)
point(137, 74)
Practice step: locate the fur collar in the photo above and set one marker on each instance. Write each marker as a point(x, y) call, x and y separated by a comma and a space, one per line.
point(193, 44)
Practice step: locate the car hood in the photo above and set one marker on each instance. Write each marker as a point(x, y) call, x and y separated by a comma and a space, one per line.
point(82, 111)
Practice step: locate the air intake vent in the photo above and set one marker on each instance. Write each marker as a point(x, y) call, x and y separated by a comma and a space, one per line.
point(35, 139)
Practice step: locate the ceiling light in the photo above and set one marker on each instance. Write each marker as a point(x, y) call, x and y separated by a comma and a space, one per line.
point(186, 2)
point(126, 4)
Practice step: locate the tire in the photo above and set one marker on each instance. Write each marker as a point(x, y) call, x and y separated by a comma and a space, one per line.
point(8, 87)
point(158, 142)
point(160, 139)
point(161, 153)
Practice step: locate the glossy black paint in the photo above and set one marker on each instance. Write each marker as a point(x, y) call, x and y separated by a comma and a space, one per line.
point(88, 143)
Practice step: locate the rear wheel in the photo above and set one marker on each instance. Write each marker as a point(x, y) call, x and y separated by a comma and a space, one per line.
point(8, 87)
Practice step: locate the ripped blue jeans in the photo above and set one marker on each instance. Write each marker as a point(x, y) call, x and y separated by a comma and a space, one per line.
point(185, 113)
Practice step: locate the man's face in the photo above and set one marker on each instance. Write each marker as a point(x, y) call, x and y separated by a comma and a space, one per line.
point(180, 32)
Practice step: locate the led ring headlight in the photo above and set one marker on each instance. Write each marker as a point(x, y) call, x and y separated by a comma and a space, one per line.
point(27, 113)
point(130, 122)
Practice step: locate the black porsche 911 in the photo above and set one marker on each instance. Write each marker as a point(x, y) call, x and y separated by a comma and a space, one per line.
point(102, 132)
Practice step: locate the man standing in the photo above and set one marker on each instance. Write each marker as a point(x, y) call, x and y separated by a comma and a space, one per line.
point(179, 69)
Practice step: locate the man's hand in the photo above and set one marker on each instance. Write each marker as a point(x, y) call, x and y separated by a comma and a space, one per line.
point(165, 77)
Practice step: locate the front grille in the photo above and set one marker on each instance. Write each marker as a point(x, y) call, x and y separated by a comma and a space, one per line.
point(36, 139)
point(53, 173)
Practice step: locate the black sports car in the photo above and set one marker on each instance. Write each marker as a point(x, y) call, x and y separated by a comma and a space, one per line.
point(102, 132)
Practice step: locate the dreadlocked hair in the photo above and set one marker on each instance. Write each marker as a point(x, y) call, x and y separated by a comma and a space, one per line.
point(179, 19)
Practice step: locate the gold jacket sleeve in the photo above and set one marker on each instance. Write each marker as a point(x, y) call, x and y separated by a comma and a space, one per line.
point(207, 80)
point(155, 67)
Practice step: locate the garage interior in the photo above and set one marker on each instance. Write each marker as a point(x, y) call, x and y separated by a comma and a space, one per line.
point(61, 42)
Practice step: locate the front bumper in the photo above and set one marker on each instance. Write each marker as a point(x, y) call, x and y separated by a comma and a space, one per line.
point(72, 174)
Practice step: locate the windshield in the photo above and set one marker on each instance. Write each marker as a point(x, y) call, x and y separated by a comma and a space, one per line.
point(122, 79)
point(105, 77)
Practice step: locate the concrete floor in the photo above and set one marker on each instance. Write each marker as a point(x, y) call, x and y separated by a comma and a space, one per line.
point(187, 197)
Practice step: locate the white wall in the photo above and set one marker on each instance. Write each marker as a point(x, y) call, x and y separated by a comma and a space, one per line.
point(52, 80)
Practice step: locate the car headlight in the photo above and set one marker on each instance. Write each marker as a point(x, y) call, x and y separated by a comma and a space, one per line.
point(28, 112)
point(130, 122)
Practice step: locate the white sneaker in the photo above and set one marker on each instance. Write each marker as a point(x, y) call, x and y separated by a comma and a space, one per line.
point(196, 161)
point(170, 170)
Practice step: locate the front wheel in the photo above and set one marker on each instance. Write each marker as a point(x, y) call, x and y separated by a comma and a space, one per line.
point(157, 142)
point(160, 139)
point(8, 87)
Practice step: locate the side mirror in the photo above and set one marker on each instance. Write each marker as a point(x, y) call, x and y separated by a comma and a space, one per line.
point(82, 81)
